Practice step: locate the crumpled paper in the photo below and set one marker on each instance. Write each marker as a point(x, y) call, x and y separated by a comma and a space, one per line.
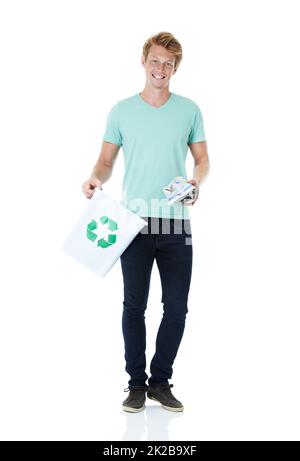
point(179, 190)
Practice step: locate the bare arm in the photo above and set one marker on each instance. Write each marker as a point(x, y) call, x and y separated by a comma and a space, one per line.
point(102, 170)
point(104, 165)
point(201, 165)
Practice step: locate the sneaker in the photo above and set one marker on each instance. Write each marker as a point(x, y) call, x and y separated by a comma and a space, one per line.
point(136, 399)
point(163, 395)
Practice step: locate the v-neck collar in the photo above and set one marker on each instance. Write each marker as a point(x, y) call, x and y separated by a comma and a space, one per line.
point(142, 100)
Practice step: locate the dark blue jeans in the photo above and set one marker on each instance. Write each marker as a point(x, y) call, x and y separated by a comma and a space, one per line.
point(169, 242)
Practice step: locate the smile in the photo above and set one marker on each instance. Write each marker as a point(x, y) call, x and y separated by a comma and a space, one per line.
point(158, 77)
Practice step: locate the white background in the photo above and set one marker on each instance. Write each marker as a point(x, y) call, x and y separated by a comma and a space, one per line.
point(64, 65)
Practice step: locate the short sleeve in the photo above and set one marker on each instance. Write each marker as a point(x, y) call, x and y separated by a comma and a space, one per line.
point(197, 133)
point(112, 130)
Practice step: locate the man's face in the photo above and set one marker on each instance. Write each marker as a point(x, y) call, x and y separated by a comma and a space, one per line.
point(159, 67)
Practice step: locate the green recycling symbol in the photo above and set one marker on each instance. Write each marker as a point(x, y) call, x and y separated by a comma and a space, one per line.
point(93, 225)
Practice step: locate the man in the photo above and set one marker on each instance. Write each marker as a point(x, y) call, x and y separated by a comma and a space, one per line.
point(155, 129)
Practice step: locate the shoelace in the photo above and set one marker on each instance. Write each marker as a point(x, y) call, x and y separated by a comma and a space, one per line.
point(166, 386)
point(145, 388)
point(167, 389)
point(162, 386)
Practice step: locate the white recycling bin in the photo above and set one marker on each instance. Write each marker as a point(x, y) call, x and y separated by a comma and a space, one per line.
point(101, 234)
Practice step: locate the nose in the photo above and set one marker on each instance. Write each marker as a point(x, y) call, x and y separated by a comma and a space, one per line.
point(161, 66)
point(160, 69)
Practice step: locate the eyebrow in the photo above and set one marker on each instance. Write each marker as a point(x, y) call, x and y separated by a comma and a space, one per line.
point(152, 55)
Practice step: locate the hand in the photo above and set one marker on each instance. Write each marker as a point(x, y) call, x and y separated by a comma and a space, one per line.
point(89, 186)
point(195, 183)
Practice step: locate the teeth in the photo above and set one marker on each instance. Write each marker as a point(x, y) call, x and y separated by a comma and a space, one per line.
point(158, 77)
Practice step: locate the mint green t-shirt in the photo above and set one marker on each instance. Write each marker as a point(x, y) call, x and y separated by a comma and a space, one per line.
point(155, 144)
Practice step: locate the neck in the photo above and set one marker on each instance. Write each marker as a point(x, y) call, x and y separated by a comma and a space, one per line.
point(155, 96)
